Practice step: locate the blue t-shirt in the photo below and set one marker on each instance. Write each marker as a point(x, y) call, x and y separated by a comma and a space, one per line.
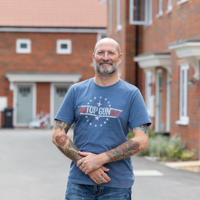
point(103, 117)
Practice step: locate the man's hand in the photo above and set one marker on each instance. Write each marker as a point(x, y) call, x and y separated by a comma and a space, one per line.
point(99, 176)
point(89, 162)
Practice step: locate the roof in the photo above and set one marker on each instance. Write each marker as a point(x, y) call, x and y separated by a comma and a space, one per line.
point(51, 13)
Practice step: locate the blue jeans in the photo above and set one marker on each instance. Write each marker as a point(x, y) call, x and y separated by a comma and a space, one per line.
point(96, 192)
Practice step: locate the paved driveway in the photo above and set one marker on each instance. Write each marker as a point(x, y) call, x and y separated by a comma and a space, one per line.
point(31, 168)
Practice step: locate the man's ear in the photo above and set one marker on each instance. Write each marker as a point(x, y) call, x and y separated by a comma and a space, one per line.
point(93, 56)
point(120, 57)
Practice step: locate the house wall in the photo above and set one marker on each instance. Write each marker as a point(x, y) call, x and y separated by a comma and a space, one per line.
point(180, 24)
point(126, 38)
point(44, 59)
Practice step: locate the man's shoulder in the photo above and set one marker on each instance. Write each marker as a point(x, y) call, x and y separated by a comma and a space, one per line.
point(82, 84)
point(128, 86)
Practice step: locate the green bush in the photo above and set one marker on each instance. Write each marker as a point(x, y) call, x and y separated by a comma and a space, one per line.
point(167, 148)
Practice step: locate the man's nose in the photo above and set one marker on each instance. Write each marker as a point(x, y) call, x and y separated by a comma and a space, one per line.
point(106, 56)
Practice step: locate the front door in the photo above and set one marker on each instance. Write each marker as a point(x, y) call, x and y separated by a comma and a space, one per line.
point(58, 94)
point(24, 109)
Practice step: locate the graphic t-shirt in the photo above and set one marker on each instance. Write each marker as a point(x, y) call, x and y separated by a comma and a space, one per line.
point(102, 118)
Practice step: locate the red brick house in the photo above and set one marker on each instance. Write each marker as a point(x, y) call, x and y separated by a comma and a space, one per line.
point(161, 43)
point(45, 46)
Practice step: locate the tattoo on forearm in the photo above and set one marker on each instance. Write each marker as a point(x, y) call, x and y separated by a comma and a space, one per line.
point(62, 126)
point(123, 151)
point(71, 151)
point(143, 128)
point(61, 140)
point(66, 146)
point(64, 143)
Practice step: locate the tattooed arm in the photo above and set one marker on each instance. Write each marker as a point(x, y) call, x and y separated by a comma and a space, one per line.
point(63, 142)
point(69, 149)
point(138, 143)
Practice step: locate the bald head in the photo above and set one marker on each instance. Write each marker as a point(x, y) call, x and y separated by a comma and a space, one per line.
point(108, 40)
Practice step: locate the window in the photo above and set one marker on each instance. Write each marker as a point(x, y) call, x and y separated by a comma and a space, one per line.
point(101, 36)
point(110, 21)
point(169, 6)
point(23, 46)
point(181, 1)
point(64, 47)
point(119, 27)
point(160, 8)
point(183, 95)
point(140, 12)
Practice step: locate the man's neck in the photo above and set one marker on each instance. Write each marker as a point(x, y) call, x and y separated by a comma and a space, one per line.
point(106, 80)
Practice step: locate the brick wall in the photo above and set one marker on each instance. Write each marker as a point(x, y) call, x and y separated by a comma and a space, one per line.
point(44, 59)
point(126, 38)
point(181, 23)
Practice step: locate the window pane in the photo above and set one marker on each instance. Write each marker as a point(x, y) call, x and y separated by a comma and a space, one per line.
point(23, 45)
point(64, 46)
point(139, 10)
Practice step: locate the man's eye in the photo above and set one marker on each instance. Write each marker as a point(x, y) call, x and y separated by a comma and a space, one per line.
point(111, 53)
point(100, 53)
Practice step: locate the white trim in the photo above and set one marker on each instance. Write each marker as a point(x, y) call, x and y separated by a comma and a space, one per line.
point(15, 102)
point(118, 15)
point(160, 8)
point(149, 61)
point(189, 50)
point(183, 121)
point(158, 126)
point(181, 2)
point(53, 30)
point(19, 49)
point(168, 113)
point(149, 98)
point(169, 6)
point(12, 77)
point(110, 16)
point(183, 95)
point(60, 50)
point(52, 104)
point(147, 12)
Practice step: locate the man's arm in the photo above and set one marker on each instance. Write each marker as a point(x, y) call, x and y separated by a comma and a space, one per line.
point(63, 142)
point(69, 149)
point(138, 143)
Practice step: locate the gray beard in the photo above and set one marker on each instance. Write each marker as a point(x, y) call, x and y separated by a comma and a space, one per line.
point(105, 71)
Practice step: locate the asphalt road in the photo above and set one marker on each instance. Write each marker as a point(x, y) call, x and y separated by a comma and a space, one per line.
point(31, 168)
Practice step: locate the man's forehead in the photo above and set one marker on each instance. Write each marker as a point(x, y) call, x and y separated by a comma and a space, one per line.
point(107, 45)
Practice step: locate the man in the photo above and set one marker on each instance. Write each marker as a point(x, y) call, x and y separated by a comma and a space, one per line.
point(103, 109)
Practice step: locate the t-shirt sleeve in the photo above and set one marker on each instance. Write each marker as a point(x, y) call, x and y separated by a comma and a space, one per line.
point(138, 113)
point(66, 110)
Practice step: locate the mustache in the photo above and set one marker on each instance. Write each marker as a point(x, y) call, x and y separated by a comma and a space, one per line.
point(105, 62)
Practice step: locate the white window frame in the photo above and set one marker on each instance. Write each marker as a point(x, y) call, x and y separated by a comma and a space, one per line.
point(183, 95)
point(19, 42)
point(118, 15)
point(149, 98)
point(160, 8)
point(181, 1)
point(110, 16)
point(59, 50)
point(169, 6)
point(148, 13)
